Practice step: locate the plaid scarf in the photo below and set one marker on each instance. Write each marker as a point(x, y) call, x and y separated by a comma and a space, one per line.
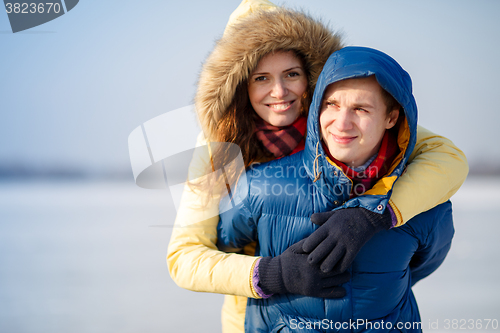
point(281, 141)
point(364, 179)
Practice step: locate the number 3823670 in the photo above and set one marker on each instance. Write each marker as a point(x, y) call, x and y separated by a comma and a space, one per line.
point(32, 8)
point(471, 324)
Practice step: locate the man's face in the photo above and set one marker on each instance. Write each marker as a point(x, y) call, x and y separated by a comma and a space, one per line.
point(353, 119)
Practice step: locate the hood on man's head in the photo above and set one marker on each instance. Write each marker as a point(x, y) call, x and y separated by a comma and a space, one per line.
point(358, 62)
point(246, 40)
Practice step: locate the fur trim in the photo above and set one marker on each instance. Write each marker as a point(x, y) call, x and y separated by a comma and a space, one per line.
point(237, 53)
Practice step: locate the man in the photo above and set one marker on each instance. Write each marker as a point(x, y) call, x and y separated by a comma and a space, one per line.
point(361, 131)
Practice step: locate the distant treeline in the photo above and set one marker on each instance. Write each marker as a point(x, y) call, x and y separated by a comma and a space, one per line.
point(484, 169)
point(20, 172)
point(23, 171)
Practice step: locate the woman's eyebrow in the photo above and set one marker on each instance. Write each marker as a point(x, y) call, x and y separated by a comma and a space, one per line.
point(260, 73)
point(284, 71)
point(290, 69)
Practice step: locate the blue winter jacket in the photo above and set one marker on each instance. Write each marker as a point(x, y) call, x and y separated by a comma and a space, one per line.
point(274, 202)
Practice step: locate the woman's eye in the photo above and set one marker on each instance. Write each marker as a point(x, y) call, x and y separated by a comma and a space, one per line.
point(293, 74)
point(260, 78)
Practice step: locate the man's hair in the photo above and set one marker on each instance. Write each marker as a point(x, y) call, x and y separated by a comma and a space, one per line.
point(390, 102)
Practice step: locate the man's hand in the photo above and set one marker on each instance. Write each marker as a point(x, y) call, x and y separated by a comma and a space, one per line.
point(342, 233)
point(290, 272)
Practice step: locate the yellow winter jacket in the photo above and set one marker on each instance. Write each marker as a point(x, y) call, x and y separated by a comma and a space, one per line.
point(437, 170)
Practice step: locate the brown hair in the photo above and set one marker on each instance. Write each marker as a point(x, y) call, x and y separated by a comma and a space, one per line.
point(390, 102)
point(237, 126)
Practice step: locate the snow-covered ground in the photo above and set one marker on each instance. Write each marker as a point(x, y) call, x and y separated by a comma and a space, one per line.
point(90, 257)
point(466, 288)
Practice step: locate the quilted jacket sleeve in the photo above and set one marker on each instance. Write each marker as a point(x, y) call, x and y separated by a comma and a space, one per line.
point(194, 262)
point(434, 244)
point(237, 227)
point(436, 171)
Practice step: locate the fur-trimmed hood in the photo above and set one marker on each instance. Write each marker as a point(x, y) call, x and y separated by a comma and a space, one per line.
point(244, 43)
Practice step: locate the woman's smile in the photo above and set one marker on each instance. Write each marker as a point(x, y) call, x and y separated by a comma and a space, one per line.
point(280, 107)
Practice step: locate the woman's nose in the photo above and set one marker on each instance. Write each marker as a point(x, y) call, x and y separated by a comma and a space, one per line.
point(279, 89)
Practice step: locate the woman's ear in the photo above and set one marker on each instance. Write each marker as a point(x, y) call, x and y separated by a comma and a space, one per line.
point(392, 119)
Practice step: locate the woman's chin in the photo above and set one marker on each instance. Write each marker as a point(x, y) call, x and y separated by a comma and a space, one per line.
point(282, 120)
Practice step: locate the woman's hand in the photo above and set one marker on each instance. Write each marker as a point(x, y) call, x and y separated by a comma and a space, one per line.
point(290, 272)
point(342, 233)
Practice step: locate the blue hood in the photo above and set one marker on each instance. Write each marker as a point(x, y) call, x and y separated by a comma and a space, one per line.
point(359, 62)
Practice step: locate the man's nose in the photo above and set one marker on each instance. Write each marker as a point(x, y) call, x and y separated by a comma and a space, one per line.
point(343, 120)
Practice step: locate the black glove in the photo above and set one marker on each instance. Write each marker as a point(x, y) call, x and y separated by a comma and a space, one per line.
point(342, 234)
point(290, 272)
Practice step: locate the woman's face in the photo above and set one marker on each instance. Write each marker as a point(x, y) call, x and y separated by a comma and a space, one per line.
point(276, 88)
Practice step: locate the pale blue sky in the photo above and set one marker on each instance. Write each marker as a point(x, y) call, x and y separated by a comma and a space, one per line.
point(73, 89)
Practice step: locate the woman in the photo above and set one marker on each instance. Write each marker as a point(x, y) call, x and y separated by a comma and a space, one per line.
point(193, 259)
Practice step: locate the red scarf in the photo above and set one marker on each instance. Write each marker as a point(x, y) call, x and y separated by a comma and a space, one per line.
point(364, 180)
point(281, 141)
